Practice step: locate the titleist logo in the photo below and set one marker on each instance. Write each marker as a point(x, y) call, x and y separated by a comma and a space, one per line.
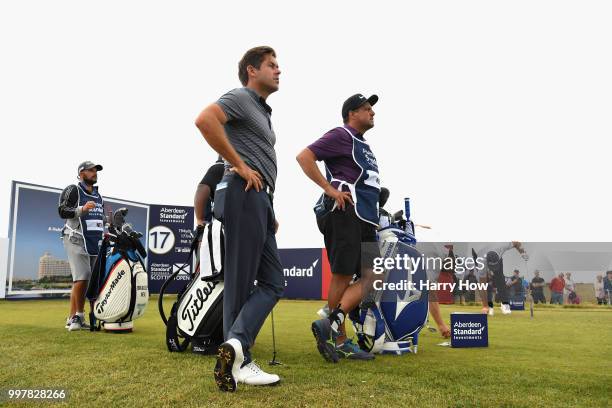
point(195, 303)
point(100, 306)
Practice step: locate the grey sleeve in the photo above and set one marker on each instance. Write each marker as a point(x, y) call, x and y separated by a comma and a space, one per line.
point(501, 250)
point(233, 103)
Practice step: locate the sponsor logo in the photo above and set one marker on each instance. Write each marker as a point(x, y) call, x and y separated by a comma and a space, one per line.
point(300, 272)
point(100, 306)
point(173, 345)
point(468, 328)
point(195, 303)
point(185, 269)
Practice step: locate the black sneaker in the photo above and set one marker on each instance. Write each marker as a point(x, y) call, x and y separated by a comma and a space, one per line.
point(326, 340)
point(351, 351)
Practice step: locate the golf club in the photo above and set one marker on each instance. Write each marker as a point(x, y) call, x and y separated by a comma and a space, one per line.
point(273, 362)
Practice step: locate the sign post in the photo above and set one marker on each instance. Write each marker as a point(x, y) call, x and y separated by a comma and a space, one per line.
point(469, 330)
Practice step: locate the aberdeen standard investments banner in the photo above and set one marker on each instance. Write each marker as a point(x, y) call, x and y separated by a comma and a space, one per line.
point(302, 270)
point(170, 236)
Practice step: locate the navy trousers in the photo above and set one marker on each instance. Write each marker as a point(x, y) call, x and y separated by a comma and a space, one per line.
point(253, 274)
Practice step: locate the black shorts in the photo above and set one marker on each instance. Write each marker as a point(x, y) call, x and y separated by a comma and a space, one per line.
point(344, 234)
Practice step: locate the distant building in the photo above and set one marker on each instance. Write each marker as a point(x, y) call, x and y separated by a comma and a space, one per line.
point(49, 267)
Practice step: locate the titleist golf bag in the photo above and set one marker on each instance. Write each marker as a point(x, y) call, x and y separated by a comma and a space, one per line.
point(118, 290)
point(197, 315)
point(390, 322)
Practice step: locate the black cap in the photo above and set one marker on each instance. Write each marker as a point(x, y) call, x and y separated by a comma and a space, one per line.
point(86, 165)
point(355, 101)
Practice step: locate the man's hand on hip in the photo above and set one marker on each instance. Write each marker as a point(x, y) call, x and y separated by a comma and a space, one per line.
point(341, 197)
point(252, 177)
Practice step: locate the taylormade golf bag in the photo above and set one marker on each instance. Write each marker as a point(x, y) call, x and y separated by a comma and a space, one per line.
point(197, 315)
point(118, 290)
point(390, 322)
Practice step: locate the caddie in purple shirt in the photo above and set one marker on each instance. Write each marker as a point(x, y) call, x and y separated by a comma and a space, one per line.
point(347, 216)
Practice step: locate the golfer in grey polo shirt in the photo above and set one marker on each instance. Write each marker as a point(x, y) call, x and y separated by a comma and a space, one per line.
point(238, 126)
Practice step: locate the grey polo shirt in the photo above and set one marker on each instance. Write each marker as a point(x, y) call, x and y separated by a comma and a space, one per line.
point(249, 130)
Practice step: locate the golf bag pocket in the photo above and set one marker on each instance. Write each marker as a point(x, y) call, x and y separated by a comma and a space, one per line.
point(141, 298)
point(197, 307)
point(76, 240)
point(197, 317)
point(113, 302)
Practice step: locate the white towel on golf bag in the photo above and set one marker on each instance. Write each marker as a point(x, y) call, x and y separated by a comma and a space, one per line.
point(212, 249)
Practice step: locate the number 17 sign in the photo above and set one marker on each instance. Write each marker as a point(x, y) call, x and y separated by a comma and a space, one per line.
point(169, 242)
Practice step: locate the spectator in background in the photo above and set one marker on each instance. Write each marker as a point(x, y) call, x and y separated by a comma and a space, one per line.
point(525, 287)
point(516, 286)
point(491, 293)
point(470, 295)
point(537, 288)
point(570, 287)
point(599, 290)
point(608, 286)
point(556, 289)
point(458, 292)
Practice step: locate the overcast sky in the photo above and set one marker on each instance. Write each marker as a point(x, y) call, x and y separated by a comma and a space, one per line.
point(494, 117)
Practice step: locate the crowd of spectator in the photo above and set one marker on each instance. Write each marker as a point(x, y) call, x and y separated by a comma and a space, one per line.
point(562, 289)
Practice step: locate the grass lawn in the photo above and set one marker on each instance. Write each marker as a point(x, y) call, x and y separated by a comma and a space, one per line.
point(562, 357)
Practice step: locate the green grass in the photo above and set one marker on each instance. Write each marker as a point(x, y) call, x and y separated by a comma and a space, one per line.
point(562, 357)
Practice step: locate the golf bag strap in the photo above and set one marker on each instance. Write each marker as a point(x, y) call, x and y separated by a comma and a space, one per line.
point(92, 316)
point(98, 273)
point(130, 312)
point(95, 282)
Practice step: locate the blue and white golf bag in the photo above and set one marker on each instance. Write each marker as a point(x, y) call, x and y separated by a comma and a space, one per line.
point(118, 290)
point(390, 321)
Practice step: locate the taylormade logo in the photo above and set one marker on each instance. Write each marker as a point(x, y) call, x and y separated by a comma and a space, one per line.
point(299, 272)
point(102, 304)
